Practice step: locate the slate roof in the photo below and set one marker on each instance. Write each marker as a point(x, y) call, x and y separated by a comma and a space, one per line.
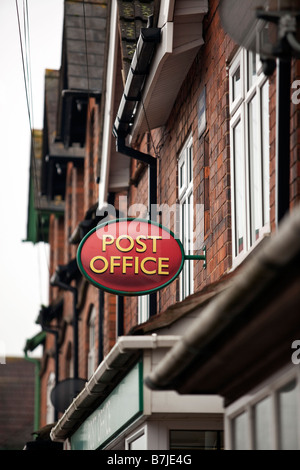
point(52, 146)
point(84, 40)
point(133, 15)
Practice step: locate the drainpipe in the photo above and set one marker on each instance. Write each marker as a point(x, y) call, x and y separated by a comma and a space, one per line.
point(152, 165)
point(37, 387)
point(55, 333)
point(139, 69)
point(56, 360)
point(120, 316)
point(100, 328)
point(283, 138)
point(152, 192)
point(62, 285)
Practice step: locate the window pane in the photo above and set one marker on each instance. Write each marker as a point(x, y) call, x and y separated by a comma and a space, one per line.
point(139, 444)
point(190, 156)
point(263, 424)
point(236, 84)
point(255, 171)
point(265, 151)
point(251, 62)
point(288, 417)
point(239, 183)
point(182, 175)
point(187, 242)
point(240, 432)
point(201, 440)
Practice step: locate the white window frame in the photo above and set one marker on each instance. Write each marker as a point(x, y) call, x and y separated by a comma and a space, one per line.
point(143, 308)
point(239, 107)
point(186, 202)
point(136, 437)
point(246, 404)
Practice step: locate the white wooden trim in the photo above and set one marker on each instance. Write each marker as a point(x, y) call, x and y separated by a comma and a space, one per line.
point(109, 107)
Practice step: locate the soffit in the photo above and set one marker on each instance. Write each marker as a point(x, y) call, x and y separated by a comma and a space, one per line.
point(181, 40)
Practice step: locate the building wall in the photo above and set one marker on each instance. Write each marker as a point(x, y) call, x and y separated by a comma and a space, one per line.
point(211, 158)
point(80, 195)
point(17, 385)
point(211, 163)
point(295, 137)
point(211, 189)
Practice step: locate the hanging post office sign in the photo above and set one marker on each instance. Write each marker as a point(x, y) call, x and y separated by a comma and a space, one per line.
point(131, 257)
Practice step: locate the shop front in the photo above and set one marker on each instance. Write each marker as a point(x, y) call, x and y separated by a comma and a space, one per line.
point(116, 411)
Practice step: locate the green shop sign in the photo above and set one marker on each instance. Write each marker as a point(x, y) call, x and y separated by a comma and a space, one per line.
point(118, 410)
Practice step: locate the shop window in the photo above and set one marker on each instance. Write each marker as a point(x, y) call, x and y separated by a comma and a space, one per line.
point(288, 419)
point(263, 424)
point(249, 132)
point(267, 420)
point(196, 440)
point(92, 338)
point(240, 432)
point(138, 441)
point(185, 189)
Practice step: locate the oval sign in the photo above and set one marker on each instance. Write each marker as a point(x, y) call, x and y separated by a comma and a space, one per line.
point(130, 256)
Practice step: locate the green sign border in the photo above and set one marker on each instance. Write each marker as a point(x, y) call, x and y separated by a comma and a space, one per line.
point(125, 293)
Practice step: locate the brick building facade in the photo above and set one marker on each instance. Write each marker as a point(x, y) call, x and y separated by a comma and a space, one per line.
point(208, 117)
point(17, 403)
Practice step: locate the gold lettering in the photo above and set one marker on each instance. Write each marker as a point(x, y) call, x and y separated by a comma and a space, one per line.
point(125, 264)
point(144, 261)
point(113, 263)
point(142, 244)
point(136, 265)
point(121, 237)
point(106, 242)
point(162, 266)
point(100, 258)
point(154, 239)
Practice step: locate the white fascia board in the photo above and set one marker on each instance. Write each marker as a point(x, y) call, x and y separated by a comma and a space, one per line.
point(109, 107)
point(164, 50)
point(126, 345)
point(166, 12)
point(181, 38)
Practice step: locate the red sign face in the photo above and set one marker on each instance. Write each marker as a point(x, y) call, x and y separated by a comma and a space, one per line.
point(130, 257)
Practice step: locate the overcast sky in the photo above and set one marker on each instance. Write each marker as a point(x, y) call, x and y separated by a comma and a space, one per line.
point(23, 266)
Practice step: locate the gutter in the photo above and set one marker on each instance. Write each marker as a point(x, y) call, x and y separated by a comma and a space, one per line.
point(139, 69)
point(258, 273)
point(109, 373)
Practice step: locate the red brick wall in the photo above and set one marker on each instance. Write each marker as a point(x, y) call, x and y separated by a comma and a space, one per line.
point(109, 326)
point(212, 184)
point(56, 242)
point(17, 384)
point(211, 166)
point(295, 138)
point(272, 105)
